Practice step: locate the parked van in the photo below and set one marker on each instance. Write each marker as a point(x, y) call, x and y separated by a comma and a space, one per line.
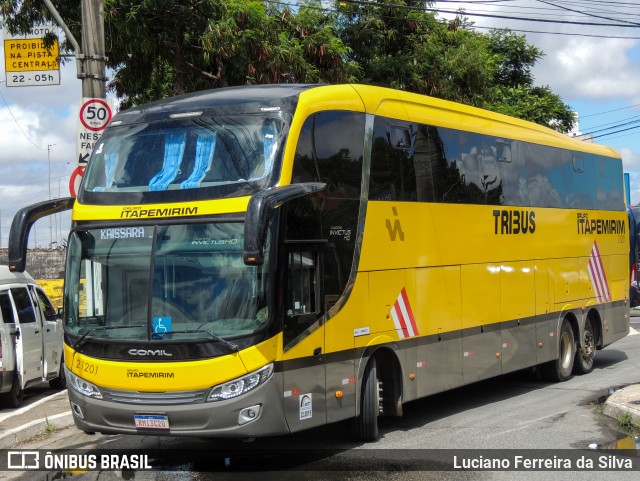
point(30, 338)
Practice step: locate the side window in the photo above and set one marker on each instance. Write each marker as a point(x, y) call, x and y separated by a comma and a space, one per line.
point(393, 174)
point(609, 193)
point(45, 304)
point(24, 306)
point(492, 185)
point(580, 171)
point(6, 308)
point(301, 304)
point(545, 176)
point(511, 164)
point(330, 150)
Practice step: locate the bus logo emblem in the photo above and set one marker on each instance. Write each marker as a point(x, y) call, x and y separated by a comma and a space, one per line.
point(396, 229)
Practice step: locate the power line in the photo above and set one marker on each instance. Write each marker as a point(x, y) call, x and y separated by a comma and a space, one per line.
point(617, 131)
point(567, 34)
point(614, 126)
point(488, 15)
point(609, 111)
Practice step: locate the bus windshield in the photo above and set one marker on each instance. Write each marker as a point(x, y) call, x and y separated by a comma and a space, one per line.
point(178, 154)
point(146, 283)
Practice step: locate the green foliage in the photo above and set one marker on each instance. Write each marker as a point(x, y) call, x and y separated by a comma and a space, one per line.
point(513, 92)
point(158, 48)
point(514, 58)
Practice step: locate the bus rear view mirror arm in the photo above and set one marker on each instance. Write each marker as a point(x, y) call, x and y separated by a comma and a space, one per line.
point(261, 205)
point(21, 225)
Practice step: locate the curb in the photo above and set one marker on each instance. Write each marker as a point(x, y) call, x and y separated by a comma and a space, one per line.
point(14, 436)
point(624, 401)
point(17, 435)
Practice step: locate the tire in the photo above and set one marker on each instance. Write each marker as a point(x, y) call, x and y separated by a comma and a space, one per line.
point(561, 368)
point(583, 363)
point(14, 397)
point(61, 381)
point(365, 425)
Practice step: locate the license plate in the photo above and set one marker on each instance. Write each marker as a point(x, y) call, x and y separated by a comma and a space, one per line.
point(151, 421)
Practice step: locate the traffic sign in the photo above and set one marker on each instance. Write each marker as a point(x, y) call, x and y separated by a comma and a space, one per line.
point(95, 114)
point(76, 178)
point(26, 59)
point(22, 55)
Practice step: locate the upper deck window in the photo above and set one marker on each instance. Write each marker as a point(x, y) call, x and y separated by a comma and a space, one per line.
point(173, 156)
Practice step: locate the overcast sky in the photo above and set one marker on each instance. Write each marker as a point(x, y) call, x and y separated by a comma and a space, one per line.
point(592, 74)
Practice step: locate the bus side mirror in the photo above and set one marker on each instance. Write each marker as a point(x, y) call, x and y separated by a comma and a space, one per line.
point(21, 225)
point(259, 213)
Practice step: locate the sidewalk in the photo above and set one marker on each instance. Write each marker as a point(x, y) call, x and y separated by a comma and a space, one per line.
point(50, 413)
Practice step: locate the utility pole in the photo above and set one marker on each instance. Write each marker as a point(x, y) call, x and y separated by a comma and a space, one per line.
point(93, 79)
point(90, 59)
point(90, 62)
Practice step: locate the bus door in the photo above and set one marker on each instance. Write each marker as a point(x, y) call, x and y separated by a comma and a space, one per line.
point(304, 345)
point(28, 336)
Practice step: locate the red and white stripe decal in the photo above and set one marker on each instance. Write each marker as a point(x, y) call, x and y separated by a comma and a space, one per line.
point(403, 316)
point(598, 276)
point(292, 392)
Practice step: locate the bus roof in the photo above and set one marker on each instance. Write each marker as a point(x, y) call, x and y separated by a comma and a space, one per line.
point(243, 99)
point(366, 98)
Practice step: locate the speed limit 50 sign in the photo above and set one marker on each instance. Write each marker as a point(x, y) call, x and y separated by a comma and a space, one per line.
point(94, 115)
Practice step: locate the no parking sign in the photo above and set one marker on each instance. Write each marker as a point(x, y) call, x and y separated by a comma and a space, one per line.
point(76, 178)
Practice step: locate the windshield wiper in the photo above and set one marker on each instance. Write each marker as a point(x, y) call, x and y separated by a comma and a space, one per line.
point(229, 345)
point(80, 341)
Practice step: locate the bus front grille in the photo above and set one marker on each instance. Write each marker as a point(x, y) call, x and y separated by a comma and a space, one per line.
point(155, 398)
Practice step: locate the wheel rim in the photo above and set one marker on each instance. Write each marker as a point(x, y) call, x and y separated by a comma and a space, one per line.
point(589, 346)
point(566, 349)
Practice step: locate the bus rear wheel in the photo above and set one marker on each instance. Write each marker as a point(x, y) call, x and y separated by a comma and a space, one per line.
point(365, 425)
point(561, 368)
point(585, 355)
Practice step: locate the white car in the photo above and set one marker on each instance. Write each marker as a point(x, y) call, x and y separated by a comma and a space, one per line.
point(31, 338)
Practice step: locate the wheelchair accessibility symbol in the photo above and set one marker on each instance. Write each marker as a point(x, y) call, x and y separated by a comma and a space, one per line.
point(161, 325)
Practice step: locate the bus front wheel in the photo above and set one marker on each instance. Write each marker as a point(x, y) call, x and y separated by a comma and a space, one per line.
point(561, 368)
point(365, 425)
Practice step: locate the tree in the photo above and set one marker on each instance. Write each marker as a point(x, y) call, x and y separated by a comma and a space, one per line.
point(398, 44)
point(158, 48)
point(166, 47)
point(514, 92)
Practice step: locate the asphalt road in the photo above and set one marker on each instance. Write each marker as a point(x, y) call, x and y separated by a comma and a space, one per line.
point(512, 412)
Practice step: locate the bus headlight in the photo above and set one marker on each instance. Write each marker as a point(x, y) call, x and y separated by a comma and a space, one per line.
point(241, 385)
point(81, 386)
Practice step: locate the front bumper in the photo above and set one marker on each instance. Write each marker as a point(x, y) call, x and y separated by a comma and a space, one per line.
point(209, 419)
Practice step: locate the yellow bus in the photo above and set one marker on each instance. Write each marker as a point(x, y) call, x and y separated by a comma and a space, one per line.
point(261, 260)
